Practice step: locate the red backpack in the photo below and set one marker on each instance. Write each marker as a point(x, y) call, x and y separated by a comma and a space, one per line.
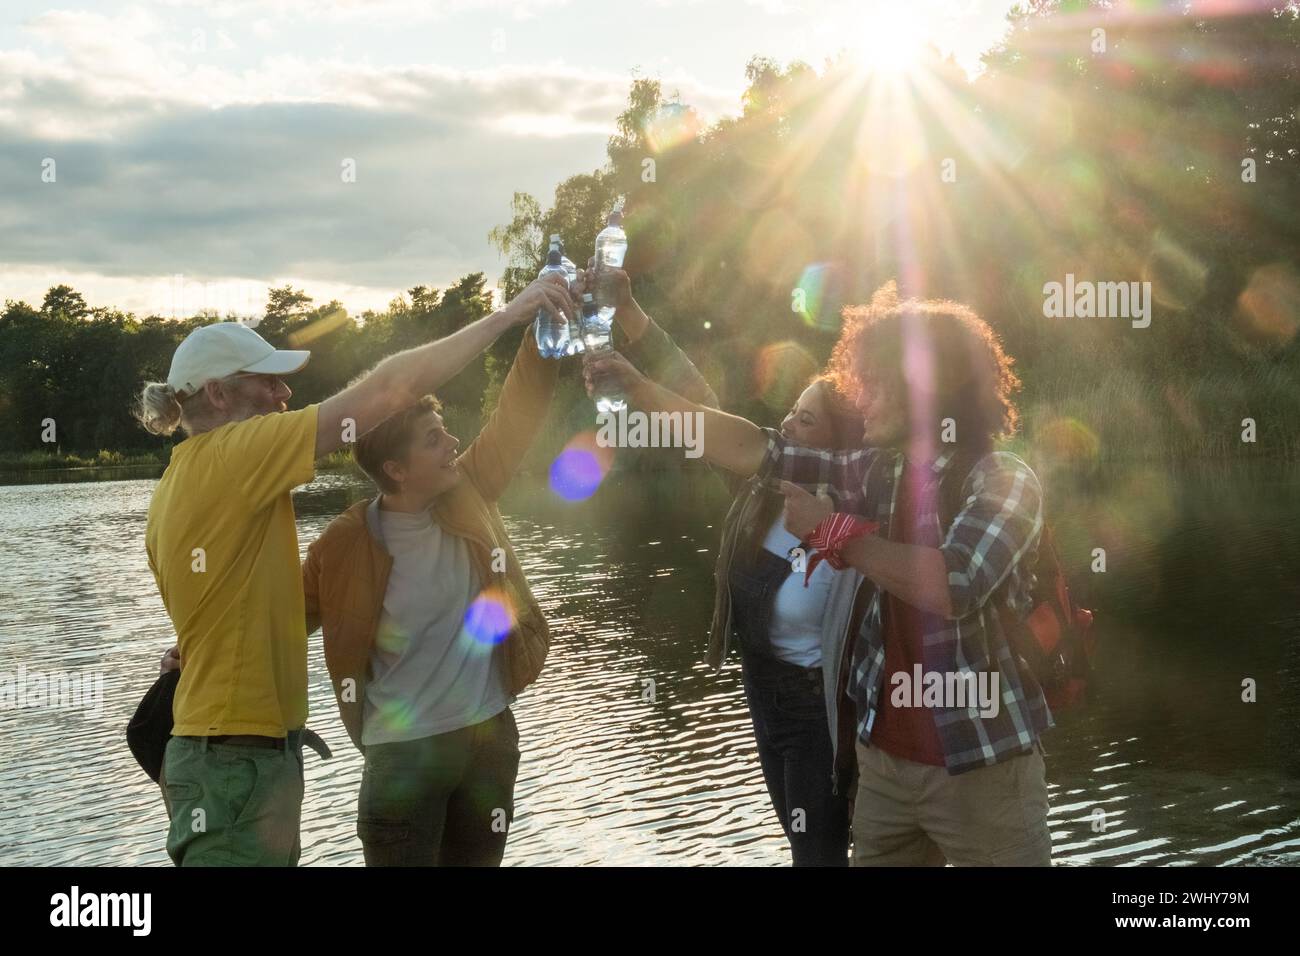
point(1054, 641)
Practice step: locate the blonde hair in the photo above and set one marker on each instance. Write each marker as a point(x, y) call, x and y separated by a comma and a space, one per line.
point(162, 410)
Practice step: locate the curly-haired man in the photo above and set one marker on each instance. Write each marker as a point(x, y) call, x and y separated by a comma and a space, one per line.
point(944, 724)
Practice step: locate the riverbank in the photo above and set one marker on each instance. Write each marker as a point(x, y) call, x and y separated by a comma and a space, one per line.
point(38, 461)
point(61, 460)
point(1071, 416)
point(1068, 444)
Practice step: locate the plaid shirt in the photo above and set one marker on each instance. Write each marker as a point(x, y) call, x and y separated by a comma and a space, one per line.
point(990, 546)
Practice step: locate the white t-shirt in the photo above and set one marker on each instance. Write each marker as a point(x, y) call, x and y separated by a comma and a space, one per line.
point(797, 612)
point(429, 673)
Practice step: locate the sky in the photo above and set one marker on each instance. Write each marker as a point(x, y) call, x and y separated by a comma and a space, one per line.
point(164, 156)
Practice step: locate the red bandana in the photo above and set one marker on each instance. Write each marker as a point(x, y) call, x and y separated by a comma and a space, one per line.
point(831, 535)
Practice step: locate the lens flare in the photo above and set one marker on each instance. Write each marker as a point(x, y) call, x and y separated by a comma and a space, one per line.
point(671, 125)
point(780, 371)
point(892, 127)
point(490, 617)
point(1177, 276)
point(330, 322)
point(816, 297)
point(775, 241)
point(1068, 440)
point(575, 474)
point(579, 469)
point(397, 714)
point(1268, 309)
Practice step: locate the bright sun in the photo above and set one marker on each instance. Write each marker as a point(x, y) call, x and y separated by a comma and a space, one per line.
point(888, 40)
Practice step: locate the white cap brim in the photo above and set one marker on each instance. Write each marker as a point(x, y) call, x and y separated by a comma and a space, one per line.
point(279, 362)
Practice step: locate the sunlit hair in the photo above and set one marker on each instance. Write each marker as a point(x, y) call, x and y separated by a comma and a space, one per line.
point(933, 351)
point(159, 410)
point(162, 410)
point(388, 441)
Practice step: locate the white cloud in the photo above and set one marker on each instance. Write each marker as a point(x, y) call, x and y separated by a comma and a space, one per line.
point(113, 72)
point(370, 10)
point(183, 295)
point(170, 163)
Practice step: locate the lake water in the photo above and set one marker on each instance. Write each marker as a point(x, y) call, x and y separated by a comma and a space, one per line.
point(1169, 766)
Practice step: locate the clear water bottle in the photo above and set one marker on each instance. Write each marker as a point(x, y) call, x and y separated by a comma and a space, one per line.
point(552, 330)
point(611, 247)
point(609, 398)
point(575, 344)
point(596, 333)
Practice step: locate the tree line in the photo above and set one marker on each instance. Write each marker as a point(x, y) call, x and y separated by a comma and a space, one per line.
point(1162, 150)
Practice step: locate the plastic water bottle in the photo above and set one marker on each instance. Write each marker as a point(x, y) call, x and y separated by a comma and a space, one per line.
point(552, 330)
point(611, 247)
point(608, 398)
point(575, 344)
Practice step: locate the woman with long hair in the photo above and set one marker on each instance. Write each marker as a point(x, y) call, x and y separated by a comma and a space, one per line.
point(782, 626)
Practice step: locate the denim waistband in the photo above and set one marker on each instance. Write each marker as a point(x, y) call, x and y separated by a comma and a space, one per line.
point(766, 664)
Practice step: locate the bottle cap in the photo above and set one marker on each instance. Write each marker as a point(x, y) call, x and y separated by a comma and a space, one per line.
point(556, 253)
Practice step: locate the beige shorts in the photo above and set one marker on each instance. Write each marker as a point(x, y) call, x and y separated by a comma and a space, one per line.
point(912, 814)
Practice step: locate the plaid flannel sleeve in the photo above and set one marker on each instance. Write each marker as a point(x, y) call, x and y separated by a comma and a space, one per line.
point(998, 525)
point(839, 474)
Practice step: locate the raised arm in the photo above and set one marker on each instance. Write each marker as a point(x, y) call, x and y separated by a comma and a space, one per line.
point(525, 400)
point(648, 347)
point(656, 354)
point(399, 380)
point(728, 441)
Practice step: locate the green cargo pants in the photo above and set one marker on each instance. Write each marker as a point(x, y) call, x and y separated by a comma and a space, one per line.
point(233, 805)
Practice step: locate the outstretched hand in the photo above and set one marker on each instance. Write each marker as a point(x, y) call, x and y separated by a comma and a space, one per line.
point(609, 369)
point(614, 282)
point(804, 511)
point(550, 293)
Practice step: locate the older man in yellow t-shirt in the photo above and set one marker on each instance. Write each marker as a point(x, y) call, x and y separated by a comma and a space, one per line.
point(223, 548)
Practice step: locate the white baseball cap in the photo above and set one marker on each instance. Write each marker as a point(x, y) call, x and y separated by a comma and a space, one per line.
point(224, 348)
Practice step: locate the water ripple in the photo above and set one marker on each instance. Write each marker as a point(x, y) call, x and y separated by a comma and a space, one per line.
point(633, 752)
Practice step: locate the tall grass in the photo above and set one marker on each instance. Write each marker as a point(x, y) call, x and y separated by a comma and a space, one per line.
point(1112, 413)
point(104, 458)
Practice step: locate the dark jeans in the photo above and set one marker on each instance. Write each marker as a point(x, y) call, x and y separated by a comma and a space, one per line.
point(787, 705)
point(445, 800)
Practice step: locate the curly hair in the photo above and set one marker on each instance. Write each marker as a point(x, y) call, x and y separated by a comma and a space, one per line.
point(932, 350)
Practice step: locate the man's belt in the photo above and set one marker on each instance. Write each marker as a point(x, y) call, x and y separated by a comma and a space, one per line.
point(296, 738)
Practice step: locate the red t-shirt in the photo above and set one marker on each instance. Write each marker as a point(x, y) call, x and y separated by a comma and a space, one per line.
point(906, 732)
